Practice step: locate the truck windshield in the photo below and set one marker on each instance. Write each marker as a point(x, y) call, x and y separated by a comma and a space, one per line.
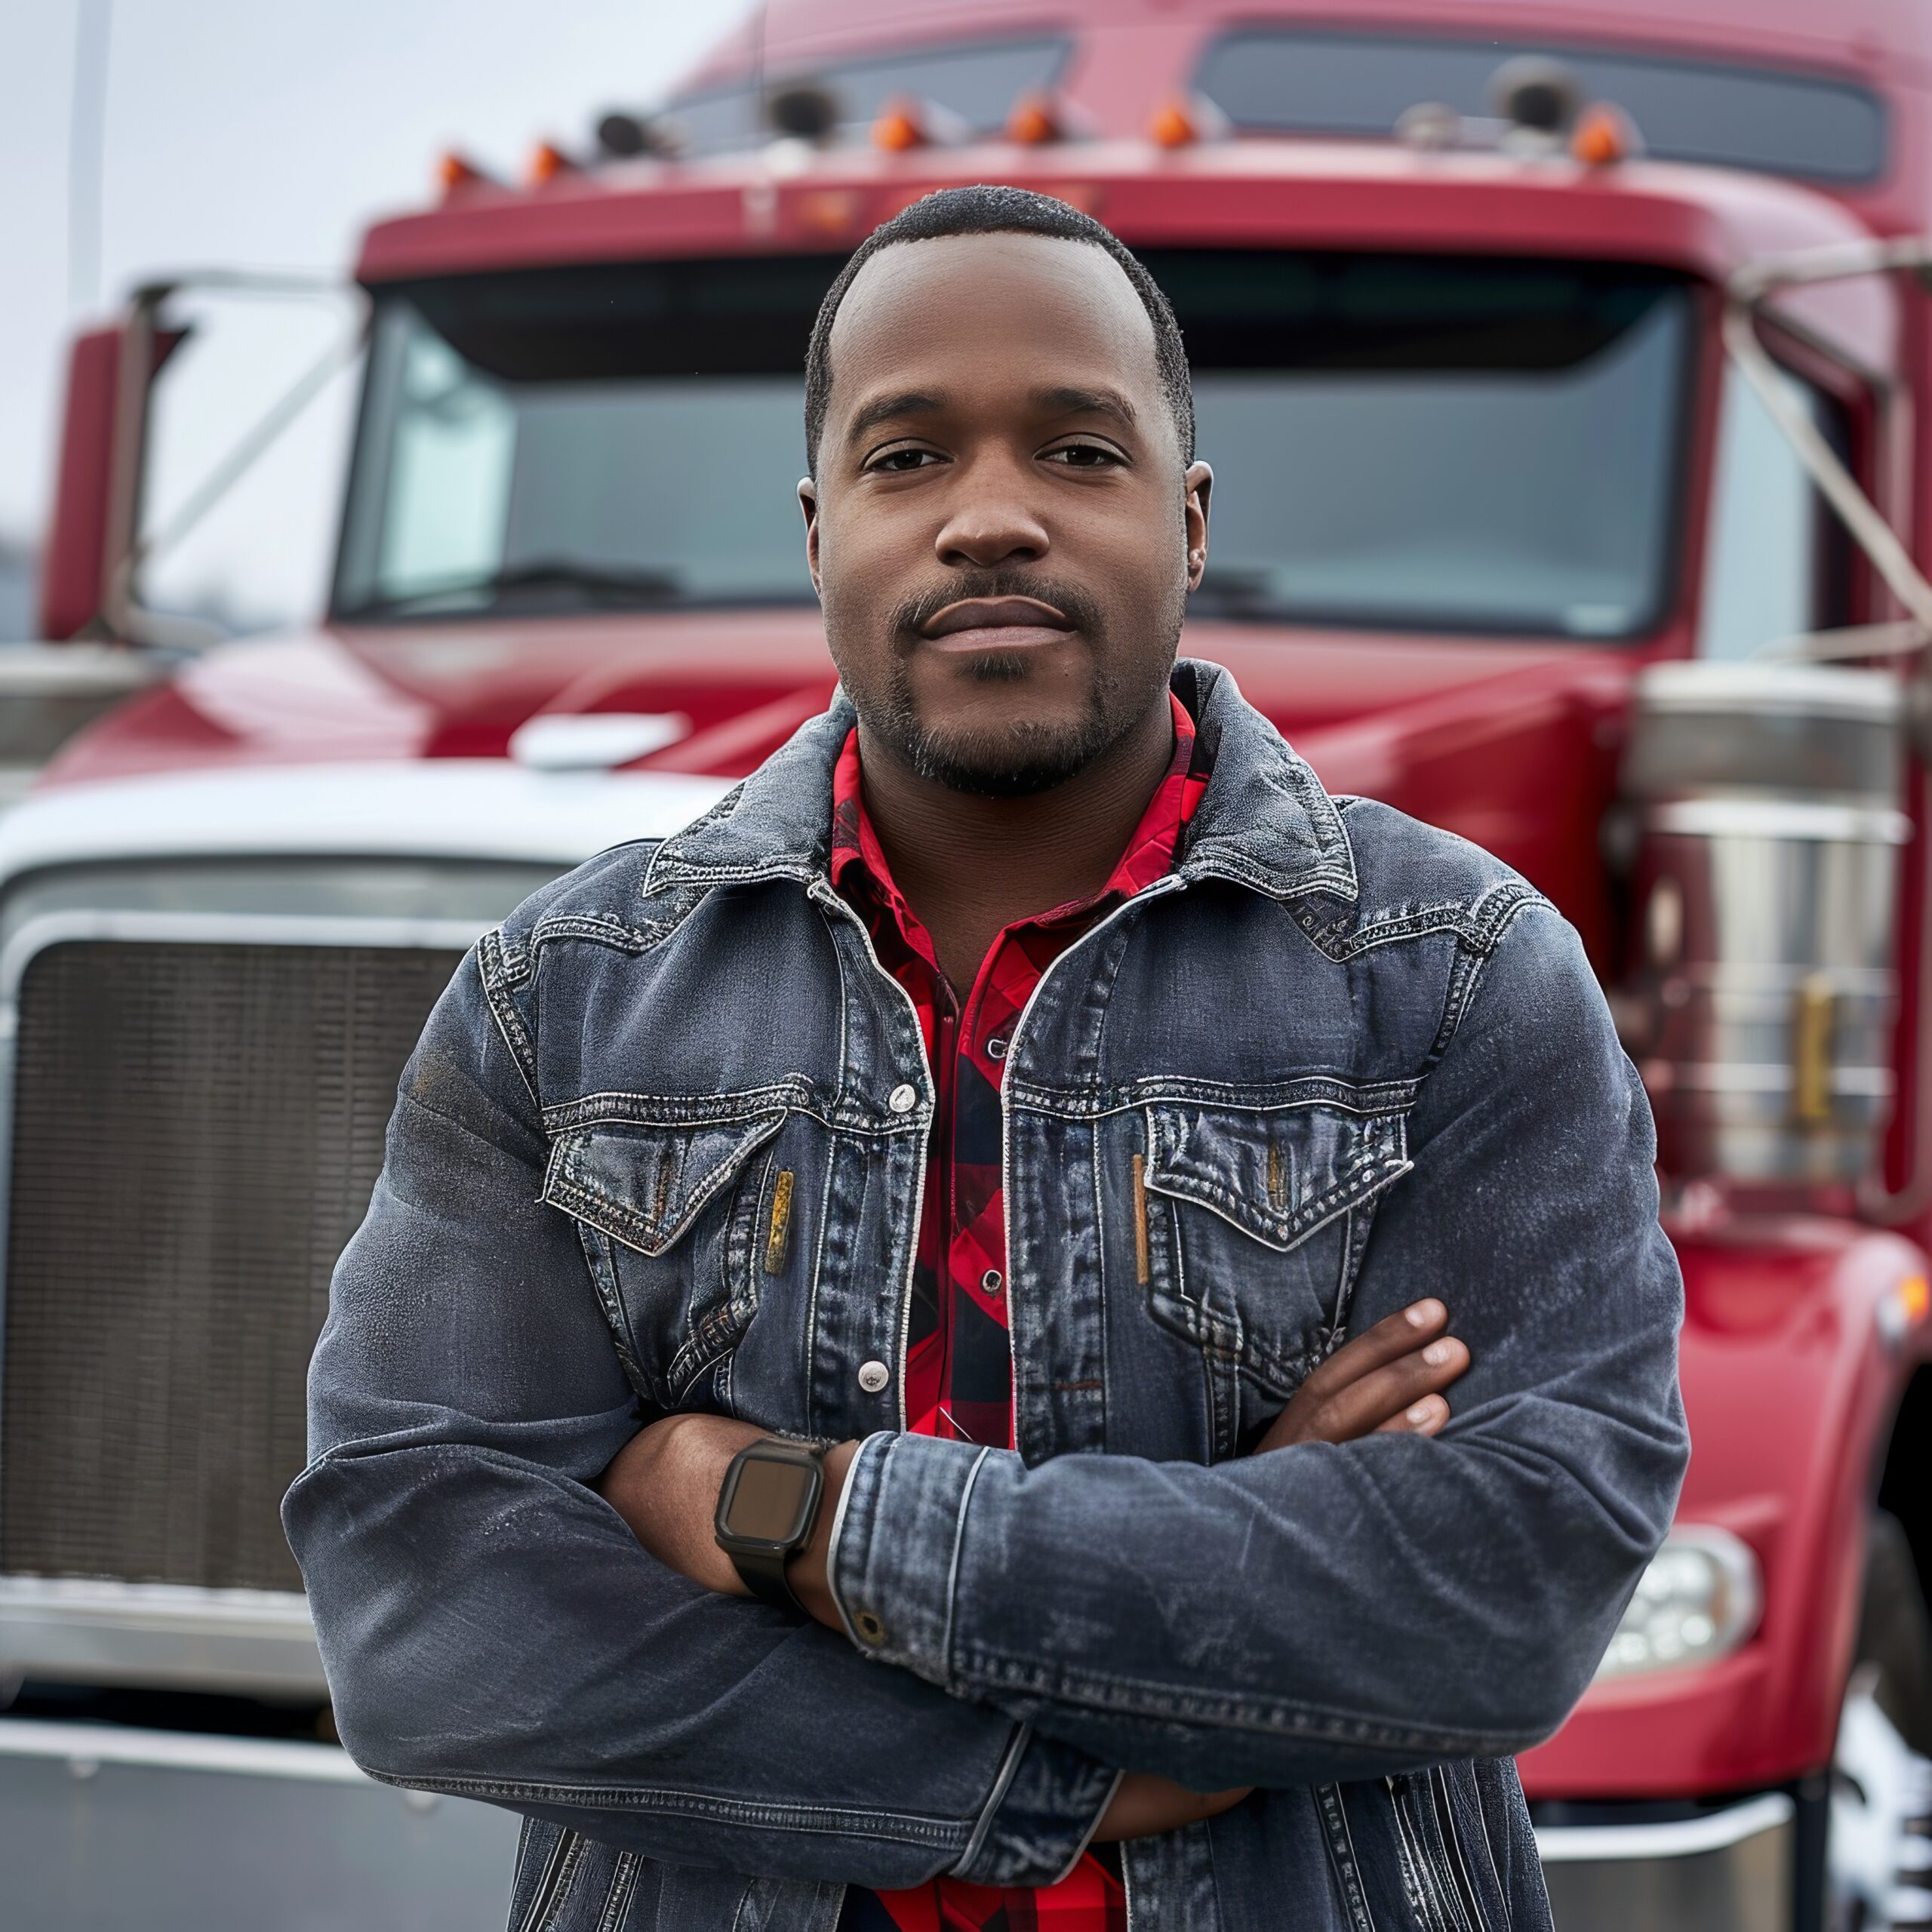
point(1428, 443)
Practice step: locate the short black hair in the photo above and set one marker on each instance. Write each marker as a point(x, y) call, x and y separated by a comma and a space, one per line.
point(985, 209)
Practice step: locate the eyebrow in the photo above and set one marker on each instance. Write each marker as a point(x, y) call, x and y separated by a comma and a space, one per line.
point(1069, 401)
point(892, 409)
point(1058, 400)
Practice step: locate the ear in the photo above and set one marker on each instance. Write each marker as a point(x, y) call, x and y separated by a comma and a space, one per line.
point(1200, 482)
point(808, 503)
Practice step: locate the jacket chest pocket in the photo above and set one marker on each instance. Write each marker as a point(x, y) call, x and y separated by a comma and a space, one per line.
point(1257, 1218)
point(681, 1222)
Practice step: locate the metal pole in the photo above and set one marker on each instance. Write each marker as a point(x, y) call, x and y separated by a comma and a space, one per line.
point(87, 149)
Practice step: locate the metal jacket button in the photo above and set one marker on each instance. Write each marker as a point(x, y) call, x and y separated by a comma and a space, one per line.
point(868, 1626)
point(903, 1099)
point(873, 1376)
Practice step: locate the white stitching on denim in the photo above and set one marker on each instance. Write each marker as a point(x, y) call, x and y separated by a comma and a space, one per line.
point(1281, 1232)
point(559, 1873)
point(901, 1827)
point(1468, 970)
point(1138, 1697)
point(1341, 1855)
point(508, 1021)
point(1372, 1098)
point(616, 1900)
point(577, 1194)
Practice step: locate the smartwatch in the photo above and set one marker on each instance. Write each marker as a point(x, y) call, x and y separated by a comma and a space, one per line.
point(766, 1509)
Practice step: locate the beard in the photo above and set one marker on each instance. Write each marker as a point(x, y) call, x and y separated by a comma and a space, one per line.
point(1013, 760)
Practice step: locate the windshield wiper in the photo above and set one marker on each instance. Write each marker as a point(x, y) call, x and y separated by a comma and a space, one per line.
point(595, 583)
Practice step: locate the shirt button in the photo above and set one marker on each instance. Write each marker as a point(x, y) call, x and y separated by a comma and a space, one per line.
point(873, 1376)
point(989, 1280)
point(903, 1099)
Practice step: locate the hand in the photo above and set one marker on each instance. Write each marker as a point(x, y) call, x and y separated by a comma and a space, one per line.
point(1144, 1803)
point(664, 1482)
point(1387, 1381)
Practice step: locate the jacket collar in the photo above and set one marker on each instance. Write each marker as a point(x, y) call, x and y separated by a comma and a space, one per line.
point(1264, 820)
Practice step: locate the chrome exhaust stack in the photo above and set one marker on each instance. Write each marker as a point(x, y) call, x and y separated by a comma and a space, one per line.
point(1765, 798)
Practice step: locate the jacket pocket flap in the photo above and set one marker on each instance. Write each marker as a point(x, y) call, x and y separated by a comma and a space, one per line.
point(644, 1185)
point(1277, 1173)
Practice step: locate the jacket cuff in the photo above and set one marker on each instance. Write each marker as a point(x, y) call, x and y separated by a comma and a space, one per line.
point(1042, 1813)
point(893, 1564)
point(894, 1556)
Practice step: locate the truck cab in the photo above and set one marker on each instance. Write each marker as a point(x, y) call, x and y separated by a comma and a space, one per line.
point(1501, 317)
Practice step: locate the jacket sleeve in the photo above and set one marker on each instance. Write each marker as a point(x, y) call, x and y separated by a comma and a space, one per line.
point(490, 1626)
point(1328, 1610)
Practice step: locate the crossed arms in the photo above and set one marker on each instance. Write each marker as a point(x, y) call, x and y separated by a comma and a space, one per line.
point(492, 1624)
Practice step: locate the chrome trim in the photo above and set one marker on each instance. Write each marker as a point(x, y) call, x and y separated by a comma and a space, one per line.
point(1780, 818)
point(85, 1630)
point(1681, 1837)
point(87, 1746)
point(425, 808)
point(217, 929)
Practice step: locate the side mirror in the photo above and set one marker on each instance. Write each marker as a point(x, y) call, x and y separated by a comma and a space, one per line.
point(97, 546)
point(108, 374)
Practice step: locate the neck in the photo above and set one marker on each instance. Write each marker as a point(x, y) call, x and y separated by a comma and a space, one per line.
point(969, 866)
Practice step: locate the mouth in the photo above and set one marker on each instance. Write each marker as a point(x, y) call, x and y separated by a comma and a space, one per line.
point(996, 624)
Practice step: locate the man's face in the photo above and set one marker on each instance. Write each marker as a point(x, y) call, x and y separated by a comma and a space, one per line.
point(1002, 532)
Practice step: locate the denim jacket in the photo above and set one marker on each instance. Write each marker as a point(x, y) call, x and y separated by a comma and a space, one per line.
point(1340, 1058)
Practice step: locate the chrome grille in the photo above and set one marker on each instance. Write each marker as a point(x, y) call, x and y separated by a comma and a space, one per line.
point(196, 1131)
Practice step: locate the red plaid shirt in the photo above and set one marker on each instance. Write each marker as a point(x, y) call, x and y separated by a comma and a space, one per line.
point(958, 1360)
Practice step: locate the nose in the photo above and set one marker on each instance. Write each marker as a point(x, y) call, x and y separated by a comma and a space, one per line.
point(988, 520)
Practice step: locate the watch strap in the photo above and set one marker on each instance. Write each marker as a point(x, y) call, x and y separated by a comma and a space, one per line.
point(764, 1576)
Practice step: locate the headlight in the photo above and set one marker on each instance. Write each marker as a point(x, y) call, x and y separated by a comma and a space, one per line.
point(1698, 1601)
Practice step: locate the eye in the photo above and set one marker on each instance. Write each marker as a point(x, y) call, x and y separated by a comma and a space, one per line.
point(903, 461)
point(1086, 455)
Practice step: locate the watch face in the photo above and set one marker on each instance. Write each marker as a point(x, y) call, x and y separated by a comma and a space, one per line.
point(770, 1500)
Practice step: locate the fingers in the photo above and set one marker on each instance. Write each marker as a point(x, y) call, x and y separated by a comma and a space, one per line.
point(1422, 1418)
point(1379, 1382)
point(1386, 1394)
point(1392, 1337)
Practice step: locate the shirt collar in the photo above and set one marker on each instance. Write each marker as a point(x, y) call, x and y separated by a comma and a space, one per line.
point(1265, 821)
point(858, 860)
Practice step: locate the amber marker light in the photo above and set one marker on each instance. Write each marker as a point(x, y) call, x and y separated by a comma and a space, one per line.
point(899, 128)
point(454, 171)
point(1173, 124)
point(1915, 1297)
point(1602, 135)
point(547, 161)
point(1033, 122)
point(832, 211)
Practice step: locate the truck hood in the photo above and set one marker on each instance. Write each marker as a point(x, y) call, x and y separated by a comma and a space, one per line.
point(730, 686)
point(1511, 743)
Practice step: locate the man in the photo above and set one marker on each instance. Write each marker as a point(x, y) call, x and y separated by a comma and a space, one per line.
point(964, 1151)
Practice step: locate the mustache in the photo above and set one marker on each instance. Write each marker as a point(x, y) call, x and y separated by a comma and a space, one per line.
point(918, 608)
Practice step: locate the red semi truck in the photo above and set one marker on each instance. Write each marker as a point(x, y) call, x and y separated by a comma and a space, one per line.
point(1559, 365)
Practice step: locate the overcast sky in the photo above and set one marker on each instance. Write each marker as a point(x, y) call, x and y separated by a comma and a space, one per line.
point(266, 134)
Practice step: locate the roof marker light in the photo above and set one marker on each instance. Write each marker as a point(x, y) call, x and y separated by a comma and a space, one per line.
point(547, 161)
point(1173, 124)
point(1034, 120)
point(454, 170)
point(1604, 135)
point(899, 127)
